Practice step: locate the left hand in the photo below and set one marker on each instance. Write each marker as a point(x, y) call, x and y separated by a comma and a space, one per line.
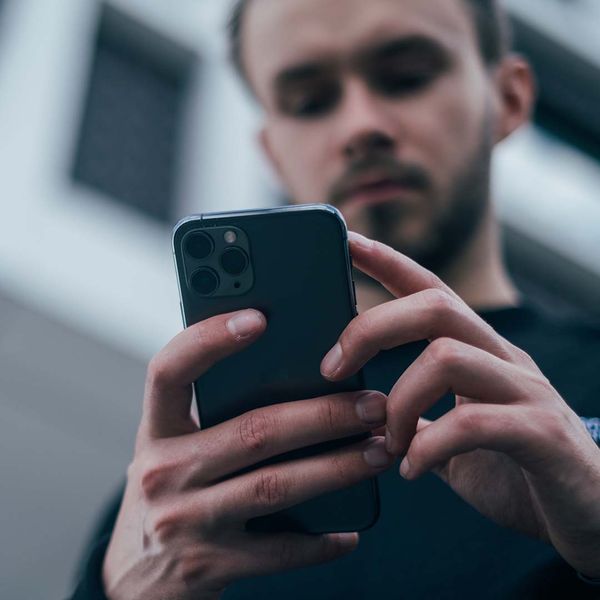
point(511, 447)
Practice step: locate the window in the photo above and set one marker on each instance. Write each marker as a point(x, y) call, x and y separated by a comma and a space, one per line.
point(129, 140)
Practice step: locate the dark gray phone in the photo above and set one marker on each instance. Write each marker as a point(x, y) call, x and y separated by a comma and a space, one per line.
point(293, 265)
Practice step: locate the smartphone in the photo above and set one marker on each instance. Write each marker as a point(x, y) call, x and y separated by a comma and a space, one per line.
point(292, 264)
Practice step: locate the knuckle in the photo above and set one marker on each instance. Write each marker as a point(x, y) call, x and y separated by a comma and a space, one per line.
point(340, 466)
point(208, 518)
point(439, 303)
point(164, 526)
point(194, 566)
point(194, 469)
point(358, 332)
point(540, 381)
point(159, 372)
point(468, 421)
point(520, 355)
point(202, 334)
point(269, 490)
point(154, 479)
point(332, 414)
point(552, 424)
point(254, 430)
point(434, 282)
point(504, 350)
point(446, 352)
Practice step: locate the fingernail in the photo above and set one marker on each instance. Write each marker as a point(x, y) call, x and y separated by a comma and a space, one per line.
point(370, 408)
point(333, 361)
point(360, 240)
point(375, 454)
point(348, 541)
point(245, 324)
point(405, 467)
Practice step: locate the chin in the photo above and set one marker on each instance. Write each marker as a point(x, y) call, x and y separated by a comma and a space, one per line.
point(392, 223)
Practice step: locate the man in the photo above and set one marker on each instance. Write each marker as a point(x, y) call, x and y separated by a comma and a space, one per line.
point(390, 111)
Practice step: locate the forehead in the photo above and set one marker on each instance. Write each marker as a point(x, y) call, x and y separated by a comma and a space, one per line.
point(281, 33)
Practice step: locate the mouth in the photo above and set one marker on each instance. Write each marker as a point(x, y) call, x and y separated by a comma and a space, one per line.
point(375, 190)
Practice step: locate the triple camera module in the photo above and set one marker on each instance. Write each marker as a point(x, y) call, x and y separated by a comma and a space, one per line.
point(217, 262)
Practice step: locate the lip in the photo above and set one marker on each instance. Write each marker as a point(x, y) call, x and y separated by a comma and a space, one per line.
point(375, 189)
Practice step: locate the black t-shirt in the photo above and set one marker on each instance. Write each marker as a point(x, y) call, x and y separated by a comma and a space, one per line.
point(428, 543)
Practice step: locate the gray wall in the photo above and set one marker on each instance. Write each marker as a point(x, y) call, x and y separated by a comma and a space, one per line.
point(69, 408)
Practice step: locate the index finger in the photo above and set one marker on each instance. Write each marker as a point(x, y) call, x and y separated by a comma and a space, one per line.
point(274, 430)
point(168, 395)
point(400, 275)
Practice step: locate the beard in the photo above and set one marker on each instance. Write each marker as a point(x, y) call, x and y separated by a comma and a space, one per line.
point(431, 229)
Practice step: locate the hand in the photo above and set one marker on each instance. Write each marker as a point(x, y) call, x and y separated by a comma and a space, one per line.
point(180, 533)
point(511, 447)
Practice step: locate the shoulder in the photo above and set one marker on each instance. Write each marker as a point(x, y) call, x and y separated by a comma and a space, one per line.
point(531, 328)
point(567, 351)
point(566, 338)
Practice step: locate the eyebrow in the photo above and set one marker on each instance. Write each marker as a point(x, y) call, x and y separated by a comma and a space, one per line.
point(302, 72)
point(415, 44)
point(409, 45)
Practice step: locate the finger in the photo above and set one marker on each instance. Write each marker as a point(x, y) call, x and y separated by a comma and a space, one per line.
point(425, 315)
point(448, 365)
point(262, 554)
point(400, 275)
point(403, 276)
point(276, 487)
point(171, 372)
point(266, 432)
point(507, 429)
point(422, 423)
point(378, 432)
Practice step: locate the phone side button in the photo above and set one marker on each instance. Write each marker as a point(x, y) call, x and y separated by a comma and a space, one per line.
point(354, 291)
point(182, 315)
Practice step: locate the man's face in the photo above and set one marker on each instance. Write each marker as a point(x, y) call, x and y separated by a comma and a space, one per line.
point(381, 108)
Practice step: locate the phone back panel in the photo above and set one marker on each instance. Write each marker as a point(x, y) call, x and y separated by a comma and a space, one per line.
point(302, 283)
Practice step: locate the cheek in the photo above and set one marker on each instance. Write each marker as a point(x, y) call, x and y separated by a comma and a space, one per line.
point(447, 127)
point(302, 150)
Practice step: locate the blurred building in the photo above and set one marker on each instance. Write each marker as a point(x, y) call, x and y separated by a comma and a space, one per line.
point(119, 117)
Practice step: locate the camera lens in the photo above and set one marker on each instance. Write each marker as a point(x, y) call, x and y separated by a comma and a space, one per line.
point(234, 261)
point(199, 245)
point(205, 281)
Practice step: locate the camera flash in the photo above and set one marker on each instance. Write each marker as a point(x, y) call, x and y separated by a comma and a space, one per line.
point(230, 237)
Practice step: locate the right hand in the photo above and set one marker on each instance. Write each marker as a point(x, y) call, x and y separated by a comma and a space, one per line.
point(180, 533)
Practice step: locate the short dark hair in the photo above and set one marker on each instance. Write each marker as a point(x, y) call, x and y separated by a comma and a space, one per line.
point(491, 24)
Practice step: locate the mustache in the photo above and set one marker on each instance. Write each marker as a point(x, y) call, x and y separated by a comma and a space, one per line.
point(405, 174)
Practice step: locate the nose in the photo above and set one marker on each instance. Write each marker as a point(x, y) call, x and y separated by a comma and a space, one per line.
point(365, 126)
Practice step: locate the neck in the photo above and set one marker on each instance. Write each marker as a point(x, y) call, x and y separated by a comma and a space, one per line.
point(478, 274)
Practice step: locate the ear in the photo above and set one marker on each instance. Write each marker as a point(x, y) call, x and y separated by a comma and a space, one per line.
point(267, 148)
point(516, 92)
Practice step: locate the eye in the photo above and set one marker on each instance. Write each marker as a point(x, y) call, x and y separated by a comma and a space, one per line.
point(311, 102)
point(409, 72)
point(399, 82)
